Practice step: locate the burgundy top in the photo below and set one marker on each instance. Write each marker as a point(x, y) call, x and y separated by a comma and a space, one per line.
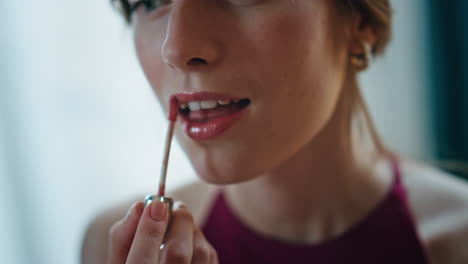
point(386, 235)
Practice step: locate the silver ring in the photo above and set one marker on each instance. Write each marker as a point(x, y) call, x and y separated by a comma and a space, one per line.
point(169, 202)
point(151, 197)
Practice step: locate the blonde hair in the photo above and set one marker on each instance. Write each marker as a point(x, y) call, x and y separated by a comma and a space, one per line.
point(378, 14)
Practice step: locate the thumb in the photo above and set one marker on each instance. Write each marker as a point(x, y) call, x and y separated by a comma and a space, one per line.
point(149, 234)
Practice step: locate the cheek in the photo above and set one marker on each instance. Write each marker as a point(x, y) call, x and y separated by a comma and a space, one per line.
point(300, 79)
point(301, 76)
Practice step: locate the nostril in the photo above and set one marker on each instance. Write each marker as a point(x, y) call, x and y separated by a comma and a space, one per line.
point(196, 61)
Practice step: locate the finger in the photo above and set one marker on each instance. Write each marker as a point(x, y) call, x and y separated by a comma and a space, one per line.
point(178, 246)
point(149, 234)
point(202, 249)
point(121, 235)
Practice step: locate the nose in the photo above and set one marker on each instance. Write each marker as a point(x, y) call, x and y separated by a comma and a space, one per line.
point(190, 43)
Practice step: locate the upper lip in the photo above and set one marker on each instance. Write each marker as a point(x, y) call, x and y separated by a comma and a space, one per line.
point(203, 96)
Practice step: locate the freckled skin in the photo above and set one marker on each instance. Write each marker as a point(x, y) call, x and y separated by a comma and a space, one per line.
point(283, 57)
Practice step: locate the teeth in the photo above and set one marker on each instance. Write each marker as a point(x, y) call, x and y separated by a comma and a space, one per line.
point(197, 105)
point(208, 104)
point(183, 105)
point(194, 106)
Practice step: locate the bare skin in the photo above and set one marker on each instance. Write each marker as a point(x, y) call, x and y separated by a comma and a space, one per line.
point(289, 147)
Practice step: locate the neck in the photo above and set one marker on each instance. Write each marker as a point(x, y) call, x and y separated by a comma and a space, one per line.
point(317, 194)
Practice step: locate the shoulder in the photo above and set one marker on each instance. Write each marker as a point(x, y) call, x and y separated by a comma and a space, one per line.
point(439, 203)
point(197, 196)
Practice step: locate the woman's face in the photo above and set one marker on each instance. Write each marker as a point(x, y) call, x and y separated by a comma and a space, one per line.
point(280, 54)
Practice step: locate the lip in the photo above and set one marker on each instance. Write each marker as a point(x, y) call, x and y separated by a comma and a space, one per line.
point(213, 128)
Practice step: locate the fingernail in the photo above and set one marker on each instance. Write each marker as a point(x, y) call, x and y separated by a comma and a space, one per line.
point(130, 212)
point(158, 211)
point(135, 211)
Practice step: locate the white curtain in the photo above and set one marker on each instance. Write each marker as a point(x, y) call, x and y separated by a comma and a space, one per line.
point(80, 129)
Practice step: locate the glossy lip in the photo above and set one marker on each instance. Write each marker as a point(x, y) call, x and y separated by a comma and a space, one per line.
point(213, 128)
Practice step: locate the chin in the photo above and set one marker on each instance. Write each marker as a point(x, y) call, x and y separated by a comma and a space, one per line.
point(220, 179)
point(222, 175)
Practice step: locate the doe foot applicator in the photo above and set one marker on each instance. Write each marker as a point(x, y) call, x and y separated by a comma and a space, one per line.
point(173, 111)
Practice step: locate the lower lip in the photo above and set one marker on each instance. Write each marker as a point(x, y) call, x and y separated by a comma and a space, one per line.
point(211, 129)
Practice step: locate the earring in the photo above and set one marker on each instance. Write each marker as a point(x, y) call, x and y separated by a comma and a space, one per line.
point(362, 61)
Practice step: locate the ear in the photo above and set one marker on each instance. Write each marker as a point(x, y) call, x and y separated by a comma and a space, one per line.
point(361, 30)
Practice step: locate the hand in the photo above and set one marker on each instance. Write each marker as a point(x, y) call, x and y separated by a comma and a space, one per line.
point(136, 239)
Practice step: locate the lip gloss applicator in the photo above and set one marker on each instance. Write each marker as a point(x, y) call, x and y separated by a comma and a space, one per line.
point(173, 112)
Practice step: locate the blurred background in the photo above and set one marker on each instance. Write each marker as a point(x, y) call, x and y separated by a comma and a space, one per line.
point(80, 129)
